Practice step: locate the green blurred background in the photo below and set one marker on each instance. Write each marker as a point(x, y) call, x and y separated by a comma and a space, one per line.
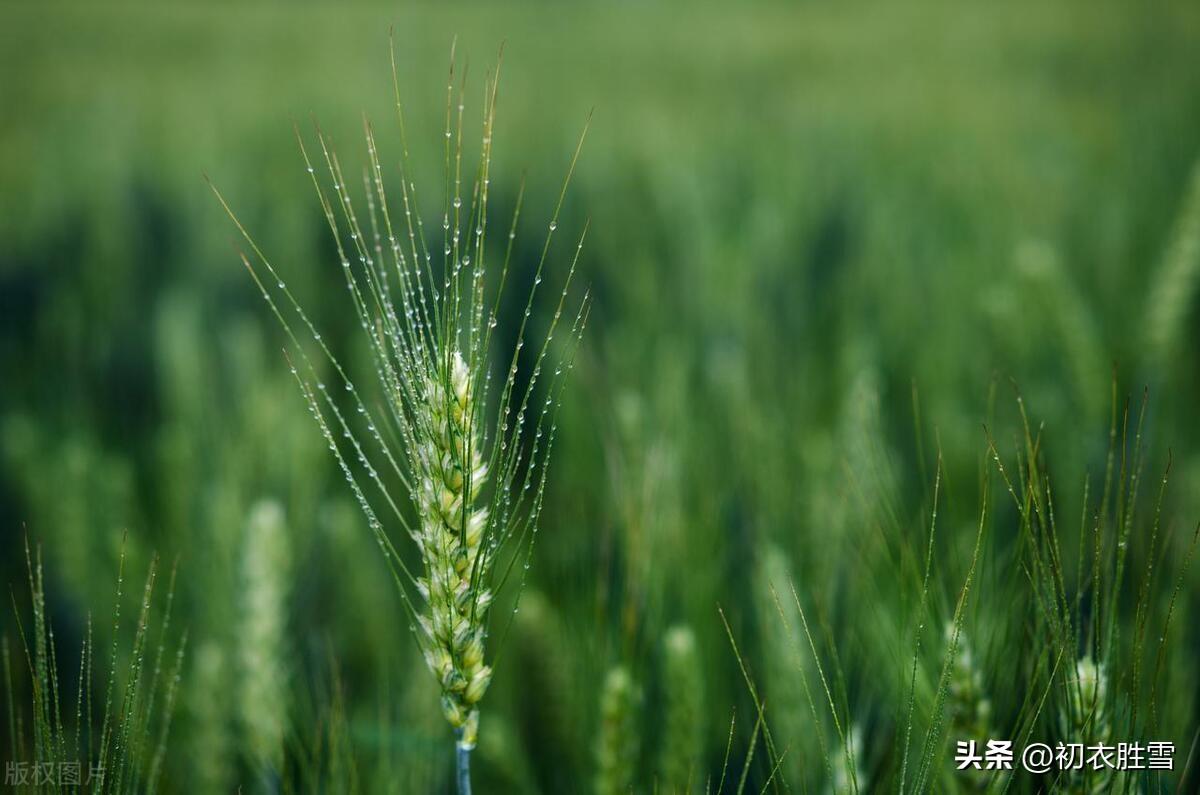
point(826, 240)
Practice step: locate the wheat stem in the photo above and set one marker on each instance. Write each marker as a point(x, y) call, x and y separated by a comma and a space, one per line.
point(462, 763)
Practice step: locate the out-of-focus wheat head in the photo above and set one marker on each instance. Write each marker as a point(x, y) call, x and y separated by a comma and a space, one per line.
point(262, 639)
point(968, 709)
point(1086, 720)
point(617, 740)
point(683, 711)
point(848, 774)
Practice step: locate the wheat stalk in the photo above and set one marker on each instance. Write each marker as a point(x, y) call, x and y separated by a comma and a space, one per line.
point(453, 459)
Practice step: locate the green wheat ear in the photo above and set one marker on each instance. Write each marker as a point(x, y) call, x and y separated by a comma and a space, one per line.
point(848, 773)
point(617, 742)
point(207, 706)
point(453, 458)
point(683, 713)
point(968, 709)
point(1086, 718)
point(262, 637)
point(784, 665)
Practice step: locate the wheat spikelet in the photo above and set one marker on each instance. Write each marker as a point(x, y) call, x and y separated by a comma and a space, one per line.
point(452, 471)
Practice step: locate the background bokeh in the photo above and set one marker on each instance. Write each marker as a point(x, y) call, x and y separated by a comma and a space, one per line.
point(826, 242)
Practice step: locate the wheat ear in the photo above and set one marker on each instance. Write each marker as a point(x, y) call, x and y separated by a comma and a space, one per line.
point(451, 458)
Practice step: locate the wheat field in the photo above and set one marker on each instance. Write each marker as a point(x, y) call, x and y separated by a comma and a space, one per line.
point(667, 399)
